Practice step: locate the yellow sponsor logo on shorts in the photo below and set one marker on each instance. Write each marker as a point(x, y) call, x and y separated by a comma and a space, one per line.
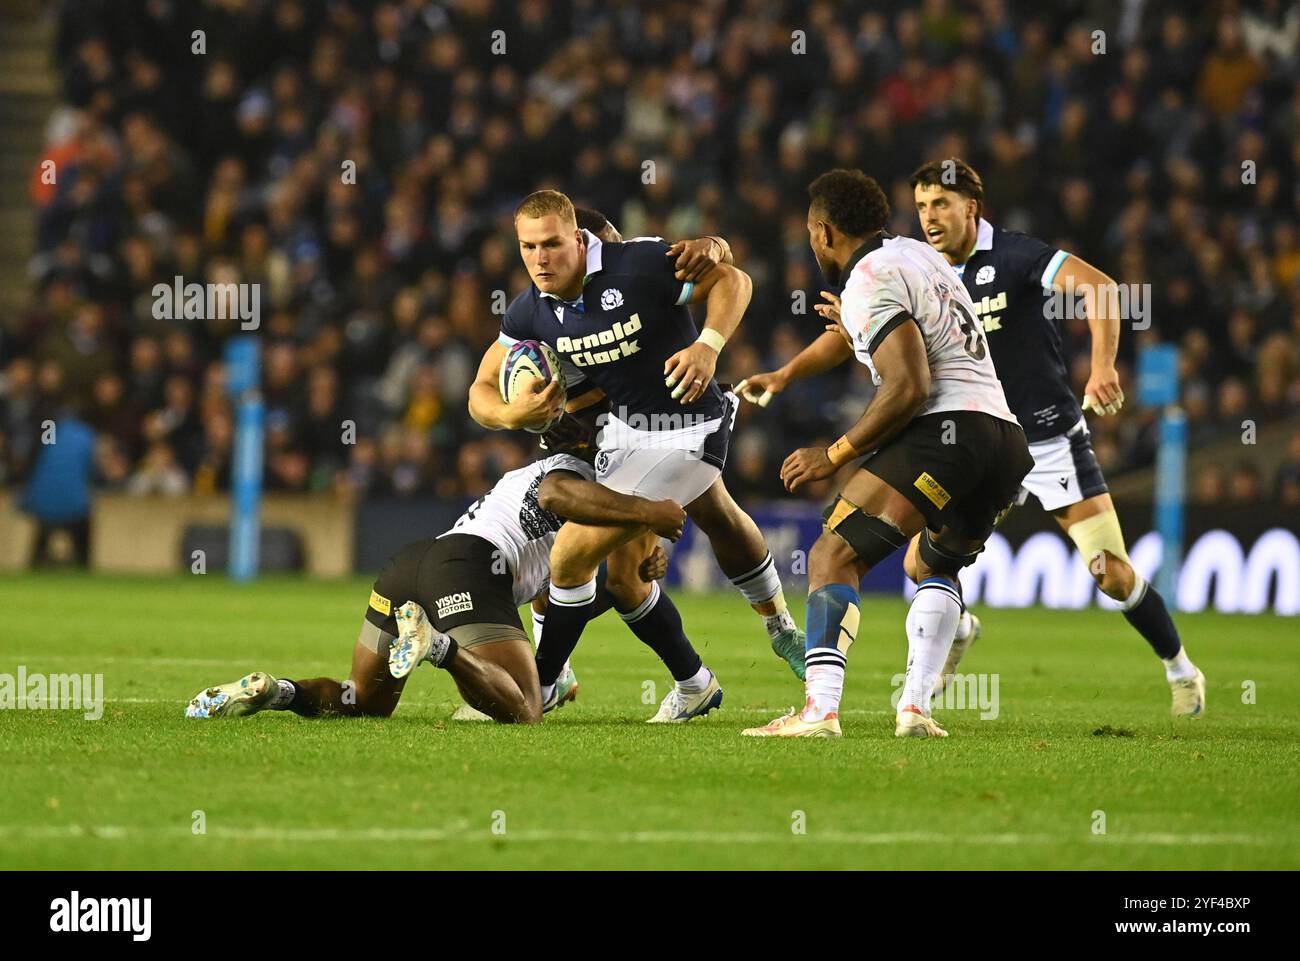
point(380, 603)
point(933, 490)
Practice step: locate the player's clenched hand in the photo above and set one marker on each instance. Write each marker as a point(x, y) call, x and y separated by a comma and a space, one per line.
point(695, 258)
point(666, 518)
point(537, 406)
point(1103, 393)
point(655, 566)
point(689, 371)
point(804, 465)
point(761, 388)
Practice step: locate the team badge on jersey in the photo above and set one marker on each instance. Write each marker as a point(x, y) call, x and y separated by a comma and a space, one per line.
point(611, 299)
point(986, 274)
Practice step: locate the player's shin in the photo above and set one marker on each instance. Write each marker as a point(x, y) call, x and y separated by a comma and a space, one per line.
point(1145, 609)
point(658, 624)
point(762, 588)
point(566, 616)
point(832, 626)
point(931, 626)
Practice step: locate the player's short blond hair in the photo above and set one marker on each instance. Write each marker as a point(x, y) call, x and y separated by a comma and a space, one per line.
point(544, 202)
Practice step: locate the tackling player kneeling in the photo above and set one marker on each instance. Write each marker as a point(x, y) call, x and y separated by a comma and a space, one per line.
point(947, 456)
point(453, 601)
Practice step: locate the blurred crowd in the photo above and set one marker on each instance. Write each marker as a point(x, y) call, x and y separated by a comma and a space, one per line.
point(360, 161)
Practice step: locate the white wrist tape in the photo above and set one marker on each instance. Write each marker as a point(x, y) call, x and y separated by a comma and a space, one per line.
point(712, 338)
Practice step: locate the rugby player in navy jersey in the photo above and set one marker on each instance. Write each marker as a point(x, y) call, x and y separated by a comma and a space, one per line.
point(1010, 277)
point(616, 314)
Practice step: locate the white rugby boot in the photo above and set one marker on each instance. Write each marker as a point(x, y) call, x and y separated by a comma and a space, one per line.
point(248, 695)
point(912, 723)
point(1189, 695)
point(680, 706)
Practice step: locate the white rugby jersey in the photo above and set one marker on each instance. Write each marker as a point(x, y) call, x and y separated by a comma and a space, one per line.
point(893, 278)
point(509, 517)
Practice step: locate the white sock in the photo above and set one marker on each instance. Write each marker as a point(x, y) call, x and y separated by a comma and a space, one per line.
point(283, 696)
point(547, 691)
point(931, 625)
point(1177, 668)
point(697, 682)
point(762, 585)
point(539, 621)
point(964, 626)
point(824, 687)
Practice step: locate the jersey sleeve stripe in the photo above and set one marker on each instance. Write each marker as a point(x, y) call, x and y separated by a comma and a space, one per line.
point(505, 340)
point(1053, 265)
point(887, 328)
point(688, 288)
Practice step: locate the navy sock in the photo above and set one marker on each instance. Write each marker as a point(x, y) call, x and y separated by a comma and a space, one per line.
point(566, 615)
point(604, 600)
point(658, 624)
point(1151, 619)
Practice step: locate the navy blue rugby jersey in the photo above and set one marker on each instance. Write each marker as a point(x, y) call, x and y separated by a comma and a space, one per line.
point(632, 316)
point(1009, 279)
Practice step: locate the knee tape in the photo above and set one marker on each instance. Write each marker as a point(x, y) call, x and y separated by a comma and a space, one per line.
point(1099, 533)
point(871, 538)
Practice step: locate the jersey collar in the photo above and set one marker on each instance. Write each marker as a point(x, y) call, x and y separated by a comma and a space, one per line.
point(983, 236)
point(594, 265)
point(875, 242)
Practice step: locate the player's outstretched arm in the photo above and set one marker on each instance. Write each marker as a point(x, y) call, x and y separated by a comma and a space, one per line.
point(535, 409)
point(586, 502)
point(904, 370)
point(827, 351)
point(1103, 392)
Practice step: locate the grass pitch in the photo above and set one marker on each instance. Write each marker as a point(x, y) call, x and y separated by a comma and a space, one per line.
point(1083, 733)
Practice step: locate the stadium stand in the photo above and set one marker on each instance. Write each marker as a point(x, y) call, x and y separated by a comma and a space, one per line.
point(378, 294)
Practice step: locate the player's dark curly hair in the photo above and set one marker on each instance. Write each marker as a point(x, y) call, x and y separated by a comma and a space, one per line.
point(952, 174)
point(590, 219)
point(851, 201)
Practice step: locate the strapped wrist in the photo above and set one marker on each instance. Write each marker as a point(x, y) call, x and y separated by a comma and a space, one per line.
point(712, 339)
point(842, 451)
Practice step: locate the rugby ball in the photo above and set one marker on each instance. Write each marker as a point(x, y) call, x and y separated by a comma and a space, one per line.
point(526, 361)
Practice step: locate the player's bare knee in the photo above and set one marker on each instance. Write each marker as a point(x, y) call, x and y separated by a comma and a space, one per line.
point(1114, 575)
point(829, 555)
point(367, 700)
point(628, 592)
point(531, 713)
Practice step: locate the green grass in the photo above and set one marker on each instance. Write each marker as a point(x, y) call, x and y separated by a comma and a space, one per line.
point(1083, 727)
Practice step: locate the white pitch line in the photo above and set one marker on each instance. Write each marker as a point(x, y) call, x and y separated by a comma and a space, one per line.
point(448, 707)
point(134, 659)
point(113, 832)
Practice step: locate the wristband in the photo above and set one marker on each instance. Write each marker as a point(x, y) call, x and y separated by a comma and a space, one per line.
point(841, 451)
point(711, 338)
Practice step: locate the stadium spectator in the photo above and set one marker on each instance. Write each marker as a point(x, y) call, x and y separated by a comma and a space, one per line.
point(58, 493)
point(359, 163)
